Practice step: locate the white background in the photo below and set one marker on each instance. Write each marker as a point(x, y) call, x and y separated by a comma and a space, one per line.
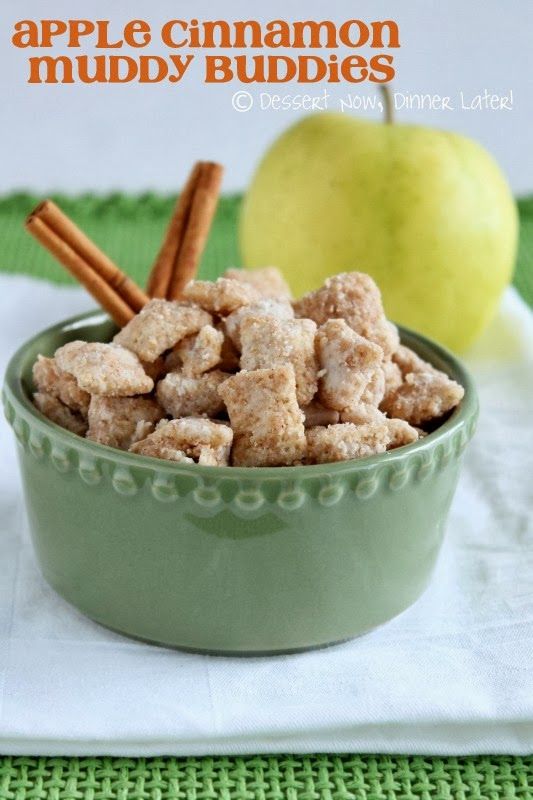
point(137, 137)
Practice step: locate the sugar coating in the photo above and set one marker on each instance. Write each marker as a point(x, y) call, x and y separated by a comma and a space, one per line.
point(265, 307)
point(375, 389)
point(184, 396)
point(57, 412)
point(350, 366)
point(270, 342)
point(106, 369)
point(385, 334)
point(200, 352)
point(345, 441)
point(363, 414)
point(268, 281)
point(425, 393)
point(188, 440)
point(221, 296)
point(265, 417)
point(393, 376)
point(62, 385)
point(317, 414)
point(159, 325)
point(121, 421)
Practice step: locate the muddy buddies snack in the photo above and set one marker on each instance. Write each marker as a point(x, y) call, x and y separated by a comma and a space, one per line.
point(183, 396)
point(268, 281)
point(121, 421)
point(61, 385)
point(235, 374)
point(270, 342)
point(424, 393)
point(188, 440)
point(159, 326)
point(106, 369)
point(221, 297)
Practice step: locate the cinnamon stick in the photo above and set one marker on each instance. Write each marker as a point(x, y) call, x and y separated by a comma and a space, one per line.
point(161, 274)
point(186, 235)
point(106, 295)
point(72, 236)
point(203, 207)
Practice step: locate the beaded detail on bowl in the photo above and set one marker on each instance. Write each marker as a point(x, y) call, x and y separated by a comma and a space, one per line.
point(245, 498)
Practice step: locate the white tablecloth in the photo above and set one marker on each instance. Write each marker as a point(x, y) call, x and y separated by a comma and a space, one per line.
point(452, 675)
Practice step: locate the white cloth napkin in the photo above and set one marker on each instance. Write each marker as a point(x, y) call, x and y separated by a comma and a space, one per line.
point(452, 675)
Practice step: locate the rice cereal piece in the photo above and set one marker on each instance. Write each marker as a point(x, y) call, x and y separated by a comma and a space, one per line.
point(269, 342)
point(401, 433)
point(425, 393)
point(201, 352)
point(221, 296)
point(423, 396)
point(57, 412)
point(62, 385)
point(159, 326)
point(317, 414)
point(375, 389)
point(183, 396)
point(268, 281)
point(393, 376)
point(363, 414)
point(191, 439)
point(348, 365)
point(121, 421)
point(345, 441)
point(265, 417)
point(385, 333)
point(265, 307)
point(352, 296)
point(355, 298)
point(105, 369)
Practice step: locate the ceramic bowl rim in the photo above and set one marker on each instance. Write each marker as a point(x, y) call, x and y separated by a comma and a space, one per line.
point(13, 383)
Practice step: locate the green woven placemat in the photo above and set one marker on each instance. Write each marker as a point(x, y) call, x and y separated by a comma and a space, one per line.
point(130, 230)
point(319, 777)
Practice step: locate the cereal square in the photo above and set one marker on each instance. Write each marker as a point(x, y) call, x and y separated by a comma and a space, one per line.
point(106, 369)
point(268, 281)
point(57, 412)
point(159, 326)
point(350, 367)
point(269, 342)
point(200, 352)
point(62, 385)
point(425, 393)
point(265, 307)
point(188, 440)
point(355, 298)
point(265, 417)
point(221, 296)
point(183, 396)
point(345, 441)
point(121, 421)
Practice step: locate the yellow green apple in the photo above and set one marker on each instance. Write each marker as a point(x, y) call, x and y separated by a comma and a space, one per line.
point(427, 213)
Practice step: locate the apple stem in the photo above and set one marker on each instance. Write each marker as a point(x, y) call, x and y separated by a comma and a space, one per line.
point(388, 104)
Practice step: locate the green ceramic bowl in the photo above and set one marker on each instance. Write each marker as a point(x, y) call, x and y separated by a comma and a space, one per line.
point(233, 560)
